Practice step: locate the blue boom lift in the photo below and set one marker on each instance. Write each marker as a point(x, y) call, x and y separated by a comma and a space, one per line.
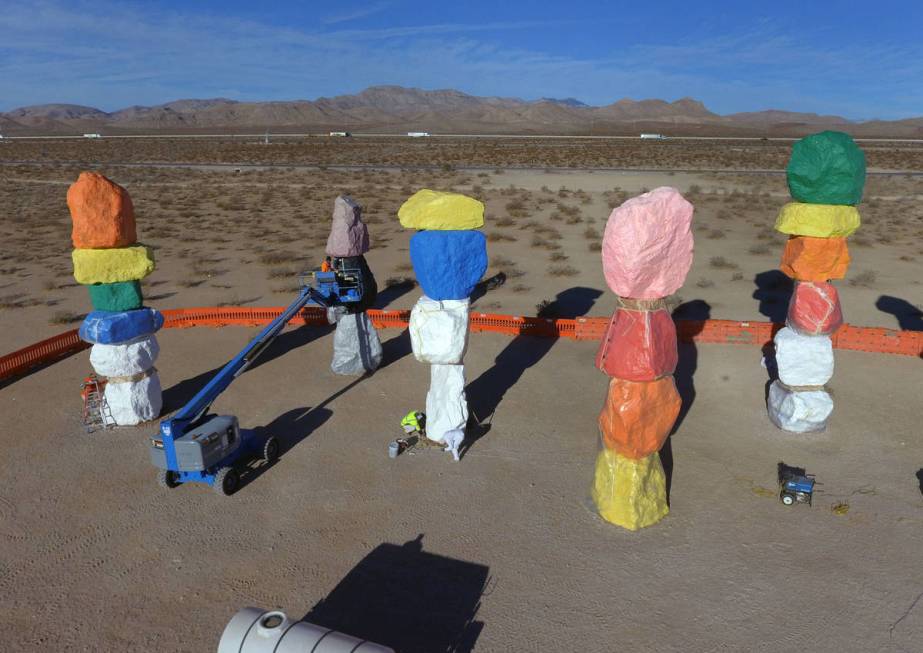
point(194, 446)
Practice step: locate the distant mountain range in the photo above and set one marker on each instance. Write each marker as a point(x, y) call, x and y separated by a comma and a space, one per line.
point(395, 109)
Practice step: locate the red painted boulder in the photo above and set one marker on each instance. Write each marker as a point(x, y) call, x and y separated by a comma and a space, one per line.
point(638, 345)
point(814, 309)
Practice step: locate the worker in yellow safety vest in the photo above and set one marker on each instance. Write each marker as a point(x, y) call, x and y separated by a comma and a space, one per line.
point(414, 421)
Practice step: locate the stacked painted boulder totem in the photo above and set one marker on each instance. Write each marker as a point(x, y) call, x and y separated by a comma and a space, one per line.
point(647, 252)
point(356, 345)
point(108, 260)
point(449, 257)
point(826, 175)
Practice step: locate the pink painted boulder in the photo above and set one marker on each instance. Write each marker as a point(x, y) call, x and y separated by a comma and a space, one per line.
point(348, 234)
point(647, 247)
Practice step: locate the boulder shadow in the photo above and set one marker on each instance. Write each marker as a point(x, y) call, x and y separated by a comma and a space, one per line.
point(774, 291)
point(177, 395)
point(291, 427)
point(909, 317)
point(690, 318)
point(404, 597)
point(393, 292)
point(485, 393)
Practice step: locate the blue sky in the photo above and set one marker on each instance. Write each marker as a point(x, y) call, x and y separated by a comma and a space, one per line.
point(857, 59)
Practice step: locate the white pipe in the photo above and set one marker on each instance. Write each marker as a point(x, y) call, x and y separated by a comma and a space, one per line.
point(253, 630)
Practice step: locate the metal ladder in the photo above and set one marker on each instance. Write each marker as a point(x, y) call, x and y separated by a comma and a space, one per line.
point(96, 413)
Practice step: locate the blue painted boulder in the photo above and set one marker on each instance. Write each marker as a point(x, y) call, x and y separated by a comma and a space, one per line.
point(448, 264)
point(113, 328)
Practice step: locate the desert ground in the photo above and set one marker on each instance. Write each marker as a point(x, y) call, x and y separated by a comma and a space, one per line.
point(500, 551)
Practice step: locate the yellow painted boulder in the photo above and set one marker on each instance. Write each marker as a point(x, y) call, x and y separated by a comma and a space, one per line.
point(439, 211)
point(630, 493)
point(818, 220)
point(112, 265)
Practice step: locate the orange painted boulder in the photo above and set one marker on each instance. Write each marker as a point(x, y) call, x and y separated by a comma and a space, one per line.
point(638, 345)
point(102, 213)
point(637, 417)
point(814, 309)
point(815, 259)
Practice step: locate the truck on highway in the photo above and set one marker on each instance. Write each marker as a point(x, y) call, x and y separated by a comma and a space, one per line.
point(418, 134)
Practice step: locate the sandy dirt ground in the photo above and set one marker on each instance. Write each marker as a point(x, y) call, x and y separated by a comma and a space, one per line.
point(496, 553)
point(499, 552)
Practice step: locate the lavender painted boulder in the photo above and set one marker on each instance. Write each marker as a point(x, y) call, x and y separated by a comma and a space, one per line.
point(648, 244)
point(348, 234)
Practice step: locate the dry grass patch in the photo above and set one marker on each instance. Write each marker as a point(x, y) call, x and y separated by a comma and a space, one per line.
point(562, 271)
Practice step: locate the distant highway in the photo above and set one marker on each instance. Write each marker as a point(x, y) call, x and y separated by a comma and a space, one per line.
point(241, 167)
point(504, 136)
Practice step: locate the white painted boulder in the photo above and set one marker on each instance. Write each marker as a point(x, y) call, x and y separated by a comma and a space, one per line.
point(126, 359)
point(798, 412)
point(803, 360)
point(439, 331)
point(134, 401)
point(446, 406)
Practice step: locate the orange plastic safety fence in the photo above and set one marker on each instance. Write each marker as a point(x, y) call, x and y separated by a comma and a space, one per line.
point(41, 353)
point(872, 339)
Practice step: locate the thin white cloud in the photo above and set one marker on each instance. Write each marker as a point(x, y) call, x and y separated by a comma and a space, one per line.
point(355, 14)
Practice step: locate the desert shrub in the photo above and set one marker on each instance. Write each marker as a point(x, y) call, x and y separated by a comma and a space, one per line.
point(275, 258)
point(66, 317)
point(721, 263)
point(759, 249)
point(594, 246)
point(715, 234)
point(865, 279)
point(704, 283)
point(591, 233)
point(400, 281)
point(562, 271)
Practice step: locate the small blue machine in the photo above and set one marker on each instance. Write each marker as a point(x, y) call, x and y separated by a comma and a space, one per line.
point(797, 488)
point(194, 446)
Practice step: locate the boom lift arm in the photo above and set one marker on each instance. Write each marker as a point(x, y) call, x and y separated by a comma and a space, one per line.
point(197, 447)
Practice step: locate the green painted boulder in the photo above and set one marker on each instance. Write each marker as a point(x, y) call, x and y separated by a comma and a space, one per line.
point(826, 168)
point(116, 297)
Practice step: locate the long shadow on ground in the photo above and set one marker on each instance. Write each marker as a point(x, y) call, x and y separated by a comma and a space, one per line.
point(697, 310)
point(774, 291)
point(485, 393)
point(909, 317)
point(403, 597)
point(290, 428)
point(176, 396)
